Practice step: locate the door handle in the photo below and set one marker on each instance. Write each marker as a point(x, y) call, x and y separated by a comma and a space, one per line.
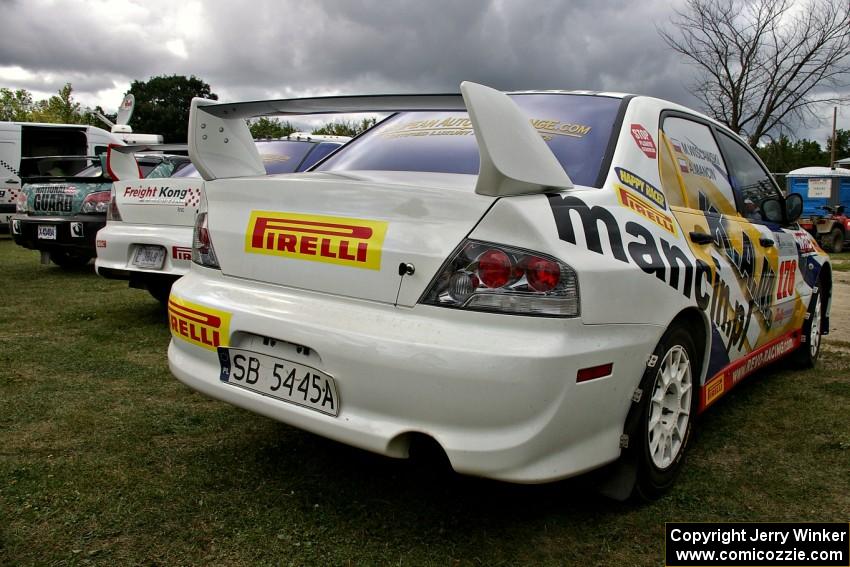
point(11, 181)
point(765, 241)
point(701, 237)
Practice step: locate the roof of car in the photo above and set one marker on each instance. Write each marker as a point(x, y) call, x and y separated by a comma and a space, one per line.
point(819, 171)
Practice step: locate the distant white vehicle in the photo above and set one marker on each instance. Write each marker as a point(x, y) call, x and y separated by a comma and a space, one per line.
point(30, 139)
point(148, 235)
point(33, 139)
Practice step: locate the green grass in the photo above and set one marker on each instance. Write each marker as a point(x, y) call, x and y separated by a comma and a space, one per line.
point(840, 261)
point(107, 459)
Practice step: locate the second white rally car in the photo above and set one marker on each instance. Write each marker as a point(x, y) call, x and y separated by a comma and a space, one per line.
point(543, 283)
point(147, 239)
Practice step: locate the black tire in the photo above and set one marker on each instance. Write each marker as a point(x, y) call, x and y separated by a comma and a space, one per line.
point(657, 470)
point(806, 355)
point(69, 260)
point(160, 290)
point(835, 241)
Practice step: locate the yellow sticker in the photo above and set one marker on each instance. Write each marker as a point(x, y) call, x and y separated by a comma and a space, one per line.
point(356, 243)
point(714, 389)
point(641, 207)
point(202, 326)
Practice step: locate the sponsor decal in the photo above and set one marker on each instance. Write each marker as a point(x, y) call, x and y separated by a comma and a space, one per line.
point(53, 199)
point(683, 165)
point(462, 126)
point(349, 242)
point(181, 253)
point(70, 190)
point(646, 210)
point(100, 244)
point(642, 186)
point(740, 369)
point(163, 195)
point(202, 326)
point(16, 227)
point(713, 390)
point(805, 242)
point(77, 229)
point(644, 141)
point(672, 265)
point(744, 261)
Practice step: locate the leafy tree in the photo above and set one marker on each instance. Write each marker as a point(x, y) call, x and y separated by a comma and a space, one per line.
point(349, 128)
point(61, 108)
point(163, 103)
point(782, 155)
point(15, 105)
point(842, 144)
point(270, 128)
point(764, 64)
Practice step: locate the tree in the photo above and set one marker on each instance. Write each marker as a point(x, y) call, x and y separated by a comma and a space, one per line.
point(348, 128)
point(270, 128)
point(782, 155)
point(15, 106)
point(842, 144)
point(764, 64)
point(163, 103)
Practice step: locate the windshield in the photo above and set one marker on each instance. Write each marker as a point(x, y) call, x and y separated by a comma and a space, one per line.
point(576, 127)
point(282, 156)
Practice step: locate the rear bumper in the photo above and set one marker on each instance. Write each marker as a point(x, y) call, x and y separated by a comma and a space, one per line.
point(73, 234)
point(6, 211)
point(117, 243)
point(497, 392)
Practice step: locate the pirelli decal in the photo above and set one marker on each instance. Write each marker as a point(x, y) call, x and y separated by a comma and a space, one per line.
point(356, 243)
point(197, 324)
point(732, 374)
point(641, 207)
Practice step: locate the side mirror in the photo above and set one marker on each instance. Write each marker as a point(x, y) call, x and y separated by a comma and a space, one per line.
point(773, 211)
point(793, 207)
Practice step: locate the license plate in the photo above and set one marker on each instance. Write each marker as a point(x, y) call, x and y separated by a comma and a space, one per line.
point(150, 257)
point(46, 232)
point(280, 379)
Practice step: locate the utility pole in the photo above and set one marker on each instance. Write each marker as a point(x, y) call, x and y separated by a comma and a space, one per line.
point(832, 153)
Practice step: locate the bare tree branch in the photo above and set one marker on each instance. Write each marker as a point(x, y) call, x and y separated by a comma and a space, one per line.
point(762, 63)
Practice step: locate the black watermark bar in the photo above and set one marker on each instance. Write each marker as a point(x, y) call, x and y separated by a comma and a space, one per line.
point(768, 544)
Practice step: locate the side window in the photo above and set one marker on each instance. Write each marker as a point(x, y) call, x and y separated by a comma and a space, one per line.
point(695, 170)
point(748, 177)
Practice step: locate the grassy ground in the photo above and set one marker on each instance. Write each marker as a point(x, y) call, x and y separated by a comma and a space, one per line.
point(841, 262)
point(106, 459)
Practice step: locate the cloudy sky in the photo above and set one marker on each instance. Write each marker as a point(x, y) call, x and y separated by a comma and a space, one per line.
point(286, 48)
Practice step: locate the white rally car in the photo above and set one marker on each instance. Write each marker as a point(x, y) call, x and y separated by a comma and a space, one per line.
point(148, 235)
point(542, 283)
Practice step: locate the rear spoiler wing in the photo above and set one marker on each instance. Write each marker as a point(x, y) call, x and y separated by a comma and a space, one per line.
point(514, 158)
point(121, 160)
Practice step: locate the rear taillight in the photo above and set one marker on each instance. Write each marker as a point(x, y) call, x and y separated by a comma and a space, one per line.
point(21, 205)
point(96, 203)
point(203, 252)
point(492, 277)
point(113, 214)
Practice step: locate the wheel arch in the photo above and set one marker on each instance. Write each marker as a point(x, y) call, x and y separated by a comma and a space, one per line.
point(618, 480)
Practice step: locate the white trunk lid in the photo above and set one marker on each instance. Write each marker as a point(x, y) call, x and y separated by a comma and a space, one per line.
point(169, 201)
point(343, 234)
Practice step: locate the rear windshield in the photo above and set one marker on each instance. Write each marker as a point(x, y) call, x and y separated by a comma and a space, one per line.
point(576, 127)
point(281, 156)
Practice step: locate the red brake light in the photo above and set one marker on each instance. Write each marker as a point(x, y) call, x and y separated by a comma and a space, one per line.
point(494, 268)
point(484, 276)
point(542, 274)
